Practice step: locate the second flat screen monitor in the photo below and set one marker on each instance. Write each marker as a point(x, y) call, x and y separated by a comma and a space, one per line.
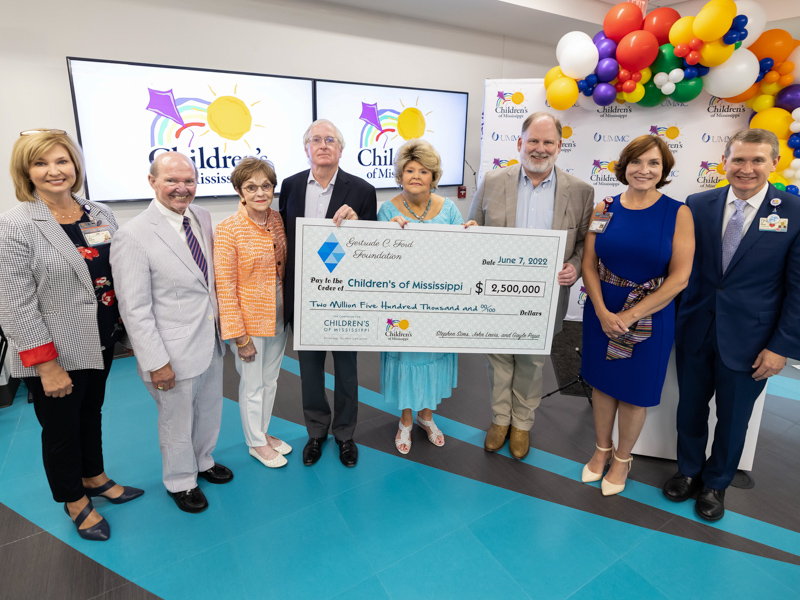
point(377, 120)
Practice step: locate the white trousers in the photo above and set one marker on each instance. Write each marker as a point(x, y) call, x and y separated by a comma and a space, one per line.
point(258, 382)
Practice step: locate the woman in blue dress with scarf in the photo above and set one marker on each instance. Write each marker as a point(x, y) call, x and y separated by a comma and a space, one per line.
point(417, 381)
point(637, 258)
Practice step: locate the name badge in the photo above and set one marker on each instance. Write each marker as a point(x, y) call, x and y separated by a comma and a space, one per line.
point(96, 233)
point(773, 223)
point(600, 222)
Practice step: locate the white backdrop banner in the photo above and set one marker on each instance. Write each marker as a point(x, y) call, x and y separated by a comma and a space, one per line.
point(593, 138)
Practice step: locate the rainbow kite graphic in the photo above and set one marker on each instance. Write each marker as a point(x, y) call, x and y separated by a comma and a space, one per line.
point(670, 132)
point(500, 163)
point(600, 165)
point(376, 123)
point(707, 167)
point(394, 323)
point(506, 97)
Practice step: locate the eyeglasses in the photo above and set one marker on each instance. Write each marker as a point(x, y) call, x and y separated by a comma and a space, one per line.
point(38, 131)
point(318, 141)
point(252, 189)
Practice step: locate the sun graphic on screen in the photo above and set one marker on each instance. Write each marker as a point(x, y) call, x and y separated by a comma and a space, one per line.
point(229, 117)
point(411, 122)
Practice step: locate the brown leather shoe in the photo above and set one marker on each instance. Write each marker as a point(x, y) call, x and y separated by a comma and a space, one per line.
point(495, 437)
point(519, 445)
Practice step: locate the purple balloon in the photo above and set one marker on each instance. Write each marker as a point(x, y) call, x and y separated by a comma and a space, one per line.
point(788, 98)
point(604, 94)
point(607, 48)
point(600, 35)
point(607, 69)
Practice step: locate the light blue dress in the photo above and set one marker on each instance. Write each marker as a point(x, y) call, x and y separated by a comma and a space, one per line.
point(419, 380)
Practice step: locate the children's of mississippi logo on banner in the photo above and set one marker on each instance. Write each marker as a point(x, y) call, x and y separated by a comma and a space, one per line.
point(710, 174)
point(382, 125)
point(181, 124)
point(603, 172)
point(509, 105)
point(717, 107)
point(670, 133)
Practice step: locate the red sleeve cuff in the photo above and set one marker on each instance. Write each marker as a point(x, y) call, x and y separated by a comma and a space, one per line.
point(38, 355)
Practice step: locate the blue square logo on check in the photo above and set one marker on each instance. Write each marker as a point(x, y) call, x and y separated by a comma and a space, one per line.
point(331, 252)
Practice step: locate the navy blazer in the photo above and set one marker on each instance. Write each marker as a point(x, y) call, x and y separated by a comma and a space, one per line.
point(348, 189)
point(757, 301)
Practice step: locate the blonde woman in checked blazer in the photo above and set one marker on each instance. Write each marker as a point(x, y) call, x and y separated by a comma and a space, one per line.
point(59, 311)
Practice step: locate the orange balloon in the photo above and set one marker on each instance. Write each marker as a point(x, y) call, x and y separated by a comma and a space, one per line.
point(771, 77)
point(776, 44)
point(745, 95)
point(785, 67)
point(786, 80)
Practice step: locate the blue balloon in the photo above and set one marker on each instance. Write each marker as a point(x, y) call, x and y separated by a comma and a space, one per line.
point(592, 79)
point(690, 72)
point(797, 153)
point(582, 85)
point(760, 76)
point(766, 64)
point(793, 189)
point(739, 22)
point(794, 141)
point(731, 37)
point(702, 70)
point(588, 91)
point(742, 34)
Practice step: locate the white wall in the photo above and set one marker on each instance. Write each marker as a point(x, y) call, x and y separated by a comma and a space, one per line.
point(275, 37)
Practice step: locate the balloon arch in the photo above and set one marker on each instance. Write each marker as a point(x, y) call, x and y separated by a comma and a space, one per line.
point(723, 50)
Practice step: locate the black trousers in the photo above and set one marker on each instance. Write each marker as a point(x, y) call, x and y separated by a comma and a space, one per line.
point(316, 410)
point(72, 445)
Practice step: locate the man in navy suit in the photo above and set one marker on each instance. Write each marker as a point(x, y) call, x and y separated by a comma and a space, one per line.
point(325, 192)
point(739, 317)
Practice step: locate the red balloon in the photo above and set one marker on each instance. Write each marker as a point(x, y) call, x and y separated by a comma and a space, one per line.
point(681, 50)
point(622, 20)
point(659, 23)
point(624, 75)
point(637, 50)
point(618, 86)
point(636, 76)
point(629, 86)
point(696, 44)
point(693, 57)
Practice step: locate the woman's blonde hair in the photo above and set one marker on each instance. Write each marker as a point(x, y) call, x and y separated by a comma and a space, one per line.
point(30, 147)
point(421, 152)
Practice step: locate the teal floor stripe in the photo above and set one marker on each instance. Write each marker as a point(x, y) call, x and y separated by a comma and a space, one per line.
point(786, 387)
point(737, 524)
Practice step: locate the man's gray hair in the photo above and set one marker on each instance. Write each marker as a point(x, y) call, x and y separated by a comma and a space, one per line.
point(755, 136)
point(337, 134)
point(539, 114)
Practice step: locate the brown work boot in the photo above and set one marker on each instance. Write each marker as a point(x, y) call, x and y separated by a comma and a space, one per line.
point(519, 444)
point(495, 437)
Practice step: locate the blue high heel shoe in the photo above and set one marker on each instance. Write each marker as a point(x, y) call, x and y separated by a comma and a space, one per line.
point(128, 493)
point(96, 533)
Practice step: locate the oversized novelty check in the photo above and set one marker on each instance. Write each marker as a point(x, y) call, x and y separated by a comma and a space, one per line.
point(426, 288)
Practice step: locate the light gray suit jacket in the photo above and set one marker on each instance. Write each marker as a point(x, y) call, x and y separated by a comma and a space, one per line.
point(495, 205)
point(169, 311)
point(46, 293)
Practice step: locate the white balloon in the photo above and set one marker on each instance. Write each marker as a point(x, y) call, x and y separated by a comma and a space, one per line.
point(579, 58)
point(660, 79)
point(795, 127)
point(788, 173)
point(756, 21)
point(734, 76)
point(796, 114)
point(676, 75)
point(586, 102)
point(794, 57)
point(569, 39)
point(668, 88)
point(795, 164)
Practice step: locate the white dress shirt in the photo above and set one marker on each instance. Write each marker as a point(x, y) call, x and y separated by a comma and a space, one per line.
point(535, 205)
point(317, 197)
point(750, 210)
point(176, 221)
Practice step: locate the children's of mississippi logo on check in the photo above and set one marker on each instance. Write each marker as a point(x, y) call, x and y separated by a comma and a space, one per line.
point(398, 329)
point(331, 253)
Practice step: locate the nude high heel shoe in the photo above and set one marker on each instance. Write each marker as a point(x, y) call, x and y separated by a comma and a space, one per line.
point(588, 476)
point(609, 489)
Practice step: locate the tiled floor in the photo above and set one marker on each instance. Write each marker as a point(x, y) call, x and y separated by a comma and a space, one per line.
point(451, 522)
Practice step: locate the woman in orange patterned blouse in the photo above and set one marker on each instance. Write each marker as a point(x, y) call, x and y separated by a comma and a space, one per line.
point(249, 262)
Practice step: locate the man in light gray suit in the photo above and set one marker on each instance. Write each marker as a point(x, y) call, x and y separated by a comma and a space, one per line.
point(532, 195)
point(164, 279)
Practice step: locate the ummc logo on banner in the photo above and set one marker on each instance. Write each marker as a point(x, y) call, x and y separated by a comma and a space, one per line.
point(507, 105)
point(717, 107)
point(716, 139)
point(599, 137)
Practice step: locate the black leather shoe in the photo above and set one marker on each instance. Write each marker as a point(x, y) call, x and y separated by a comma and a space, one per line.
point(348, 452)
point(679, 487)
point(99, 532)
point(217, 474)
point(313, 450)
point(190, 501)
point(710, 504)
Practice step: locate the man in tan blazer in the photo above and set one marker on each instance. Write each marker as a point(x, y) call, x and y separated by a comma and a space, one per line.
point(534, 194)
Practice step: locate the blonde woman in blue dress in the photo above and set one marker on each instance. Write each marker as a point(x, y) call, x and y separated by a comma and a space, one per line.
point(417, 381)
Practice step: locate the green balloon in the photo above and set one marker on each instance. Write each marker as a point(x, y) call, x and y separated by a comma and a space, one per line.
point(780, 186)
point(652, 95)
point(666, 60)
point(687, 90)
point(737, 45)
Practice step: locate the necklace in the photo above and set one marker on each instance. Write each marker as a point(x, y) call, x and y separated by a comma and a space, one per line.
point(416, 216)
point(74, 210)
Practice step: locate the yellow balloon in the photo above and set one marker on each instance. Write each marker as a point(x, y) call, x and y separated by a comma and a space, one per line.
point(763, 102)
point(728, 5)
point(682, 31)
point(635, 95)
point(711, 23)
point(552, 75)
point(776, 177)
point(621, 98)
point(771, 88)
point(775, 120)
point(786, 155)
point(750, 101)
point(647, 74)
point(562, 93)
point(721, 183)
point(714, 53)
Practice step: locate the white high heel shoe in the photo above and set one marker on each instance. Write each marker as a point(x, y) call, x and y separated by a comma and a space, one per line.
point(608, 488)
point(588, 476)
point(435, 431)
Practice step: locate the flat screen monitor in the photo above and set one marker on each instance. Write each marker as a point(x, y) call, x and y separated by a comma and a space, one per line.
point(376, 120)
point(128, 113)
